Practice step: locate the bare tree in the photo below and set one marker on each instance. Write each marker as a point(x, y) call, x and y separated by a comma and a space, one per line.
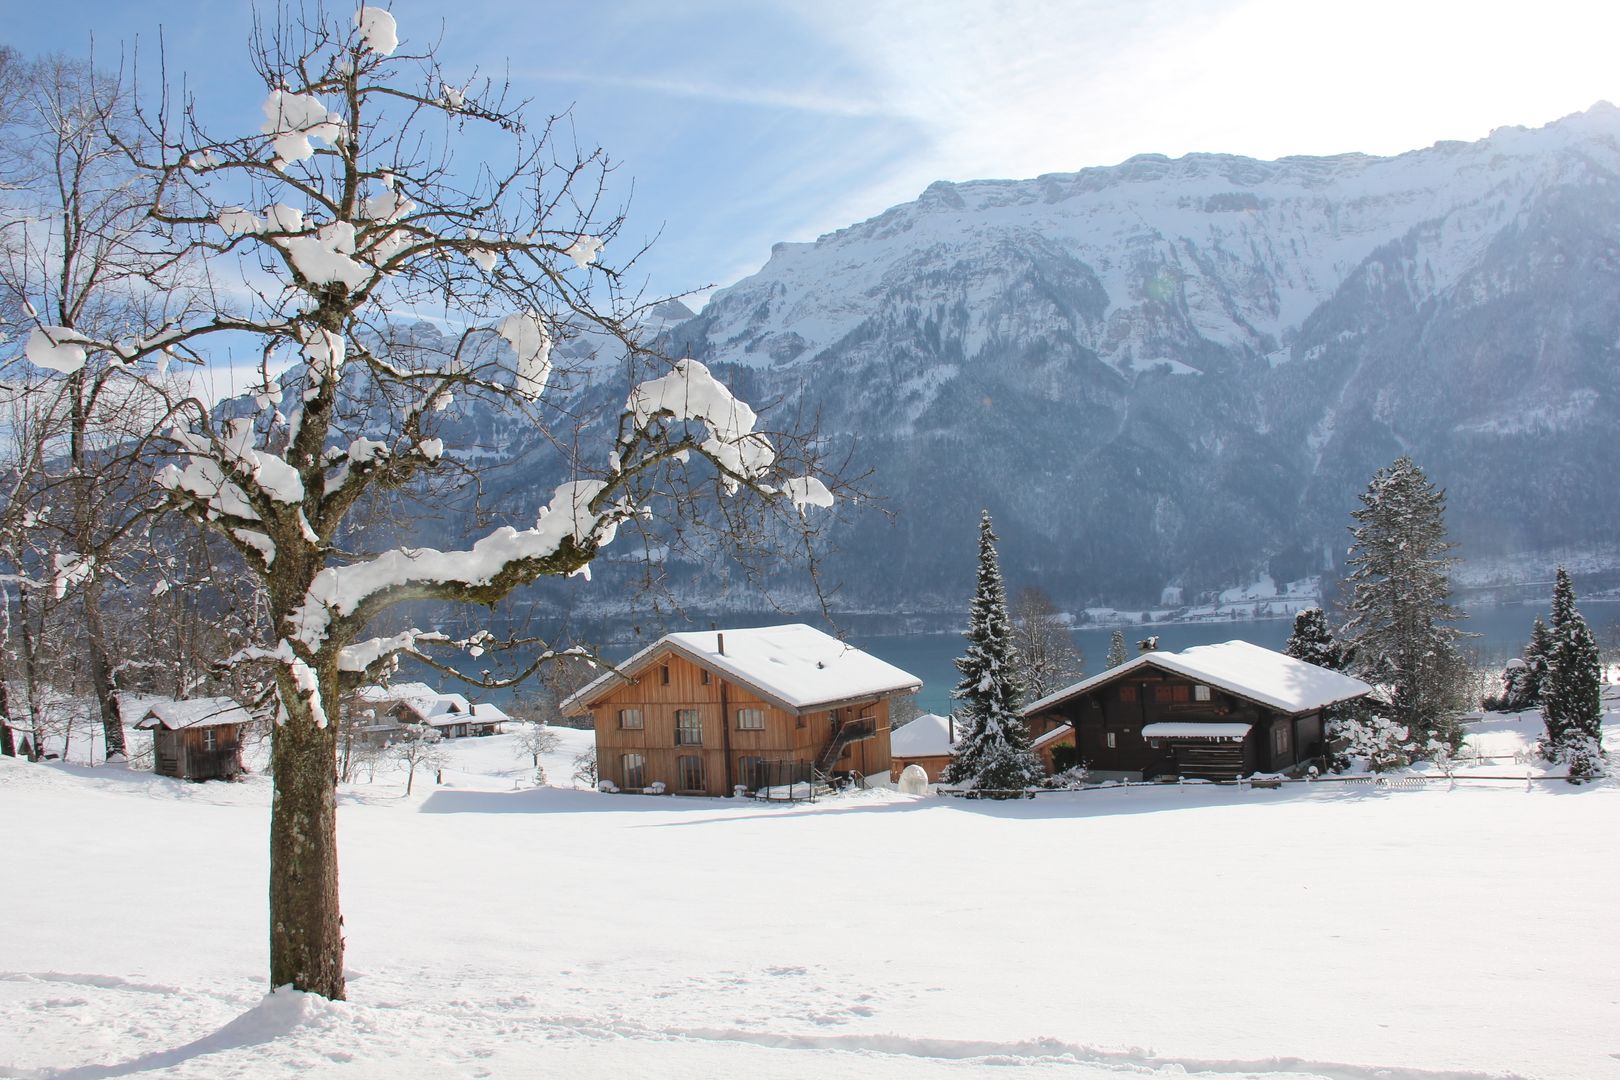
point(78, 256)
point(1048, 659)
point(536, 738)
point(417, 747)
point(345, 211)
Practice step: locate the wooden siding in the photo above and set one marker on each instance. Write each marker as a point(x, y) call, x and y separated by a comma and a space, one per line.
point(183, 754)
point(1148, 696)
point(784, 737)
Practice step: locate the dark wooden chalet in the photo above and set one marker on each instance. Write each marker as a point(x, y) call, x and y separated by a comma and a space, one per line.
point(1212, 712)
point(198, 739)
point(769, 707)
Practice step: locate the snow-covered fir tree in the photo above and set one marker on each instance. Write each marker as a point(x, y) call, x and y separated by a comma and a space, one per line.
point(1537, 652)
point(1116, 650)
point(1313, 642)
point(1400, 633)
point(1572, 702)
point(1523, 679)
point(992, 746)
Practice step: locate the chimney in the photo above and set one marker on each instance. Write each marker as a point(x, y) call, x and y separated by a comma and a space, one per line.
point(720, 644)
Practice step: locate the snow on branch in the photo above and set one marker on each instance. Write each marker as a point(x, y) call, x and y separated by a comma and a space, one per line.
point(341, 591)
point(689, 392)
point(292, 120)
point(377, 29)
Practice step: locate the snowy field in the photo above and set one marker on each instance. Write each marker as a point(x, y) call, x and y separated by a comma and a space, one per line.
point(496, 929)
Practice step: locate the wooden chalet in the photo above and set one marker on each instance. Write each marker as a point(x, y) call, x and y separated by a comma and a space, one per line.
point(926, 743)
point(198, 739)
point(769, 707)
point(1212, 712)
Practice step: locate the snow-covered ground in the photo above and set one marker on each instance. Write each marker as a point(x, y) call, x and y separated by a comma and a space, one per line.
point(496, 929)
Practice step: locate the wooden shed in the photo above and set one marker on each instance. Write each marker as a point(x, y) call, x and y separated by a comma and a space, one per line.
point(773, 707)
point(197, 739)
point(1211, 712)
point(926, 743)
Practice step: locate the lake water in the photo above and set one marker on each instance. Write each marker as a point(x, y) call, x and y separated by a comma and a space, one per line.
point(1502, 632)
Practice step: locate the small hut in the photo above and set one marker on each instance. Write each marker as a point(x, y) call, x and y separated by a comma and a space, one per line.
point(198, 739)
point(925, 741)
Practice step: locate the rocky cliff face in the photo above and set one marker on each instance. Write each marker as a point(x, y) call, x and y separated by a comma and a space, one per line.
point(1182, 372)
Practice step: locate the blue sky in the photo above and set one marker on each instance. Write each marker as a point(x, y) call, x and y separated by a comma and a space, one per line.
point(744, 123)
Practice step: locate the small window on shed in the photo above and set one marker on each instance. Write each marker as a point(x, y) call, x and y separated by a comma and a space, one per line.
point(1279, 739)
point(663, 674)
point(750, 719)
point(630, 720)
point(210, 742)
point(1113, 743)
point(1200, 692)
point(705, 676)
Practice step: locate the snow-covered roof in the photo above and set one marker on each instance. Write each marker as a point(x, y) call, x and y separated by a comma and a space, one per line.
point(400, 691)
point(929, 735)
point(448, 713)
point(794, 666)
point(1252, 672)
point(194, 713)
point(1222, 730)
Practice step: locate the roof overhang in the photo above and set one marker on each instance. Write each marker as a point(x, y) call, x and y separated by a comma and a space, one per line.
point(580, 701)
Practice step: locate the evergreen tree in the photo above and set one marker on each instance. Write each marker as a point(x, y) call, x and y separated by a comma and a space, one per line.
point(1572, 705)
point(1536, 653)
point(1116, 649)
point(1313, 642)
point(1399, 633)
point(992, 745)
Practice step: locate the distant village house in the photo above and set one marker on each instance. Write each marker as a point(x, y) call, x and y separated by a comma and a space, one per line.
point(451, 715)
point(707, 713)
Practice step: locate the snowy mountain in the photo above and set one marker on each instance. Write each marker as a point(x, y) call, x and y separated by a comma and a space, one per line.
point(1176, 373)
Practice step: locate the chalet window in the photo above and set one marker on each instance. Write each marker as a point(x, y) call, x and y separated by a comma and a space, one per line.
point(630, 720)
point(1112, 743)
point(691, 773)
point(705, 676)
point(688, 727)
point(663, 675)
point(633, 768)
point(1170, 694)
point(1279, 739)
point(1127, 693)
point(209, 742)
point(750, 719)
point(1200, 692)
point(750, 772)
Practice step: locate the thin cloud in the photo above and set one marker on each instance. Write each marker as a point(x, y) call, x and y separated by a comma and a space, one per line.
point(754, 96)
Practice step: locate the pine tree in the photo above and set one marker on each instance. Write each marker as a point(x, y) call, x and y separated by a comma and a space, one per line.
point(1116, 650)
point(1313, 642)
point(1399, 634)
point(1572, 705)
point(1536, 653)
point(992, 746)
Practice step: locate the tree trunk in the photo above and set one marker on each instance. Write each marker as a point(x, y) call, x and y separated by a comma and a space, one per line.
point(30, 670)
point(102, 681)
point(306, 929)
